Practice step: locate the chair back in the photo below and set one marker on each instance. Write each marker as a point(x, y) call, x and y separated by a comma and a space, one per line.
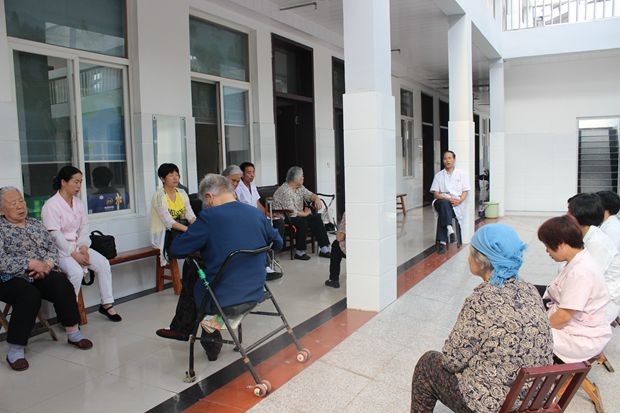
point(549, 388)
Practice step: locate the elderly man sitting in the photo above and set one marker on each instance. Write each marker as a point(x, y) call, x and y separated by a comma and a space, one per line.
point(28, 259)
point(291, 196)
point(224, 226)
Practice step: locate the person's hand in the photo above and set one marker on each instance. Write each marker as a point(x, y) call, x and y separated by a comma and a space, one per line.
point(38, 269)
point(304, 213)
point(84, 252)
point(318, 204)
point(80, 258)
point(340, 236)
point(455, 201)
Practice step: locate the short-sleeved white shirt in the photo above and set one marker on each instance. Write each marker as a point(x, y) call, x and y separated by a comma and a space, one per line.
point(57, 215)
point(580, 287)
point(453, 184)
point(605, 254)
point(611, 227)
point(247, 195)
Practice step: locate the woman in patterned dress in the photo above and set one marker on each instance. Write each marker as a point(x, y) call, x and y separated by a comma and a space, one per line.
point(501, 328)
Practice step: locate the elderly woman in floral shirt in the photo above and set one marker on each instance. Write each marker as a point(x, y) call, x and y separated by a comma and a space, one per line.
point(501, 328)
point(28, 260)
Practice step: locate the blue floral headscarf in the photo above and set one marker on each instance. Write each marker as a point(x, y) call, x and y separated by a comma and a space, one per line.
point(503, 248)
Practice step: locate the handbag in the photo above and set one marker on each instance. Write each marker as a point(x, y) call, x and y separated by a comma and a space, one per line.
point(171, 234)
point(103, 244)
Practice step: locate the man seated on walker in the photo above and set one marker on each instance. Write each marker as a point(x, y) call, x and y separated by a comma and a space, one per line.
point(222, 227)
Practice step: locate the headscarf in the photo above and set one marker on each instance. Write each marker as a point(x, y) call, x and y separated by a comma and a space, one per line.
point(503, 248)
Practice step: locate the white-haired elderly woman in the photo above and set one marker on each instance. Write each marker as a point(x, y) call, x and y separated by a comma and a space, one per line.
point(233, 173)
point(501, 327)
point(291, 196)
point(28, 274)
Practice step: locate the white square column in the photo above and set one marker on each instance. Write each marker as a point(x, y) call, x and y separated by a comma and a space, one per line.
point(370, 160)
point(497, 170)
point(461, 125)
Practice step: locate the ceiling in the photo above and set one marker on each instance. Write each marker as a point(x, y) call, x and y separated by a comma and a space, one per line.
point(418, 28)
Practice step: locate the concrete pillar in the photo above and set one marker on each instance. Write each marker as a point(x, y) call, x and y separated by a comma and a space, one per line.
point(370, 161)
point(461, 125)
point(497, 161)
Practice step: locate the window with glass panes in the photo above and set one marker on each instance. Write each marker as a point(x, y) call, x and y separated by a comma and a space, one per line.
point(72, 110)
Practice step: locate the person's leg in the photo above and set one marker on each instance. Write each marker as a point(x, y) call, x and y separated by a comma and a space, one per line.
point(315, 222)
point(431, 382)
point(301, 224)
point(101, 266)
point(185, 315)
point(57, 289)
point(334, 261)
point(26, 302)
point(74, 272)
point(445, 213)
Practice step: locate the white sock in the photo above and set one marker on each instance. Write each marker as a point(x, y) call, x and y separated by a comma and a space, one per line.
point(269, 269)
point(298, 252)
point(450, 229)
point(324, 249)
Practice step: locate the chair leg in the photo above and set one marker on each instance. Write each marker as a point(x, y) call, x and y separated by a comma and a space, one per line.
point(605, 362)
point(593, 393)
point(159, 275)
point(45, 324)
point(176, 276)
point(82, 309)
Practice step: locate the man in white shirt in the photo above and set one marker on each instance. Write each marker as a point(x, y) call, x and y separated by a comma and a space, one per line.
point(246, 190)
point(611, 223)
point(588, 210)
point(450, 188)
point(248, 194)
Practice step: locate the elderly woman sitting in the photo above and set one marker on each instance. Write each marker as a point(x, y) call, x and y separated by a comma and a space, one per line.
point(28, 258)
point(291, 196)
point(501, 327)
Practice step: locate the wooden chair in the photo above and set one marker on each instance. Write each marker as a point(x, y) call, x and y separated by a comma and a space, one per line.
point(44, 324)
point(549, 388)
point(400, 203)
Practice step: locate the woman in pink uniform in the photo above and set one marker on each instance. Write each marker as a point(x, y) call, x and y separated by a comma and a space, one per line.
point(64, 216)
point(578, 295)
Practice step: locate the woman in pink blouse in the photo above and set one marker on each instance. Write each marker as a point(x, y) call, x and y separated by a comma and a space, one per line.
point(64, 216)
point(578, 295)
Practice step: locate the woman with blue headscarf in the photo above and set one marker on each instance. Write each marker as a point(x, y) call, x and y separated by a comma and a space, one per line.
point(501, 328)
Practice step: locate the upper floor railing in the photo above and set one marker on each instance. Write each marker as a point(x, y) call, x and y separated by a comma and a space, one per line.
point(525, 14)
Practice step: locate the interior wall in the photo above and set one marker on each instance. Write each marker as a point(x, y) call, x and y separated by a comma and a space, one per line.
point(544, 98)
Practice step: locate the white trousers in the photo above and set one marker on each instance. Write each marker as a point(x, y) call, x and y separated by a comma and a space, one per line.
point(103, 274)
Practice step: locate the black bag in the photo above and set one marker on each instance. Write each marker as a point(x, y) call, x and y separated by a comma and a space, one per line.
point(171, 234)
point(103, 244)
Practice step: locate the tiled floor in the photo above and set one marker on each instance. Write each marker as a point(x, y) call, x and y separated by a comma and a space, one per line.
point(370, 371)
point(132, 370)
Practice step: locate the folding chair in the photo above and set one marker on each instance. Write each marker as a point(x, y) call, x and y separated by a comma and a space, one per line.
point(262, 387)
point(548, 388)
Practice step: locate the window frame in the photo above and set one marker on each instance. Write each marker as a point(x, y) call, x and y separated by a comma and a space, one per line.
point(410, 158)
point(222, 82)
point(74, 57)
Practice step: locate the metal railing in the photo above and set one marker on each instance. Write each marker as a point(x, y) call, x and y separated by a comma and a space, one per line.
point(525, 14)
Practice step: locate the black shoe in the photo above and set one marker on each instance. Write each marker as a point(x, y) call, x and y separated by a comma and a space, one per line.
point(333, 283)
point(325, 254)
point(304, 257)
point(211, 348)
point(452, 238)
point(172, 334)
point(442, 248)
point(273, 275)
point(111, 317)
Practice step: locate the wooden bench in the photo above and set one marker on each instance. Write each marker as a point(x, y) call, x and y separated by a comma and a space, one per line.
point(400, 203)
point(160, 273)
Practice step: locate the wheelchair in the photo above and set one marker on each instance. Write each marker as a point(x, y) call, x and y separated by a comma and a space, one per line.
point(262, 386)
